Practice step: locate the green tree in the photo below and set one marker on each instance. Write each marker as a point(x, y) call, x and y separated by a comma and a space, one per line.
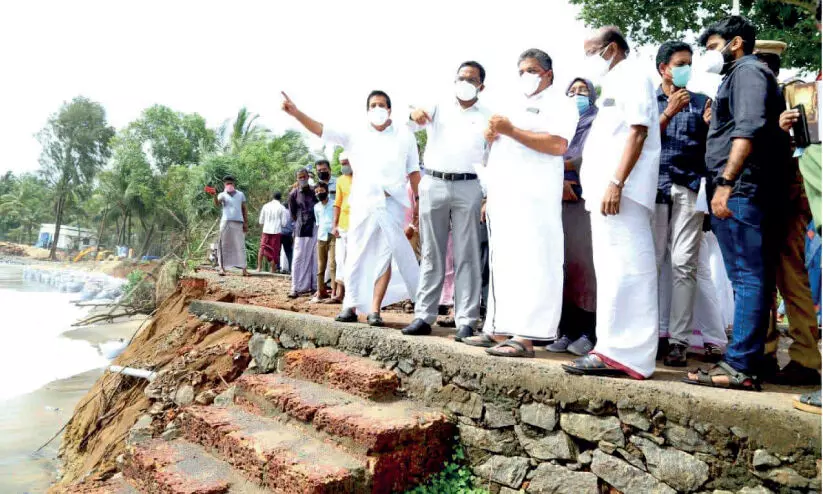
point(243, 130)
point(653, 22)
point(24, 204)
point(75, 146)
point(173, 138)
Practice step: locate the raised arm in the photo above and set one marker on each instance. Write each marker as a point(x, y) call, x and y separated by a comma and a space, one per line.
point(310, 124)
point(542, 142)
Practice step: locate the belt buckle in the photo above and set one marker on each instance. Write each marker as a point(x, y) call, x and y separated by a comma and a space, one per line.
point(448, 176)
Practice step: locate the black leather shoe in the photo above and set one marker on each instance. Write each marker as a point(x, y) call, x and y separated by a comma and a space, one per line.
point(463, 332)
point(676, 356)
point(418, 327)
point(346, 315)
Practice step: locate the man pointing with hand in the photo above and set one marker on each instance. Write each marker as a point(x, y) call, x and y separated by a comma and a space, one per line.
point(450, 198)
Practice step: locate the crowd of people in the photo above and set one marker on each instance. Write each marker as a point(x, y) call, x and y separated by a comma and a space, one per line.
point(681, 214)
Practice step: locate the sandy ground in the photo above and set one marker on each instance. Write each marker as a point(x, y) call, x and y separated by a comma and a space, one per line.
point(28, 421)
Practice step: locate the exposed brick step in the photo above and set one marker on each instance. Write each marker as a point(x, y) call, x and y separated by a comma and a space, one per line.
point(404, 442)
point(356, 375)
point(280, 457)
point(180, 467)
point(115, 485)
point(376, 427)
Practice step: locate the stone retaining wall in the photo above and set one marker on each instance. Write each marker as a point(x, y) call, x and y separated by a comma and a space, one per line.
point(528, 427)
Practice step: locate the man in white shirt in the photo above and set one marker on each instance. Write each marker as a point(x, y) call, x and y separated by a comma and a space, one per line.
point(324, 219)
point(450, 196)
point(386, 157)
point(619, 181)
point(524, 181)
point(274, 217)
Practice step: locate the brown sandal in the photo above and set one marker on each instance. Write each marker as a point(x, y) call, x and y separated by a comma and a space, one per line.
point(520, 350)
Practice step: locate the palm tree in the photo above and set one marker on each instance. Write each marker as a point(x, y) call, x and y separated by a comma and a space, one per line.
point(25, 205)
point(243, 130)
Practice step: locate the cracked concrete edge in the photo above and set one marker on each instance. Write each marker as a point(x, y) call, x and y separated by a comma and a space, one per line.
point(778, 429)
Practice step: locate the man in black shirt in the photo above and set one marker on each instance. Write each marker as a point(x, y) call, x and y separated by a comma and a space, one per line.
point(301, 207)
point(742, 151)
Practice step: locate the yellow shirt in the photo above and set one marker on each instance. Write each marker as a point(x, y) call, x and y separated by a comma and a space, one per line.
point(341, 200)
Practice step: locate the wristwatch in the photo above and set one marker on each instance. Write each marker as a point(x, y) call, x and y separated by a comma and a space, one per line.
point(722, 181)
point(617, 183)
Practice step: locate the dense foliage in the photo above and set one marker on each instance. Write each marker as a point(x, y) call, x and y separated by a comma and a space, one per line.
point(142, 185)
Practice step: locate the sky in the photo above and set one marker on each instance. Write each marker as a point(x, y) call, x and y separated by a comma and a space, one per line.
point(214, 57)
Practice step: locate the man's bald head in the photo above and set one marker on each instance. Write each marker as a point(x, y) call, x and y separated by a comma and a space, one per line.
point(611, 34)
point(609, 43)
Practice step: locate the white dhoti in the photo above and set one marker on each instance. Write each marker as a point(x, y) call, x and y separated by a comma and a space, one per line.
point(525, 255)
point(709, 318)
point(374, 243)
point(340, 256)
point(627, 315)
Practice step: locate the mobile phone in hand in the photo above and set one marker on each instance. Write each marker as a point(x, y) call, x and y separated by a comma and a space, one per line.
point(801, 128)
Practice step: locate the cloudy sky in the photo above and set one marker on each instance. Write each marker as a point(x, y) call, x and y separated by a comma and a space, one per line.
point(214, 57)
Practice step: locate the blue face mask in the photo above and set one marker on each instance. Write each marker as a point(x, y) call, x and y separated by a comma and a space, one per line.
point(681, 75)
point(582, 102)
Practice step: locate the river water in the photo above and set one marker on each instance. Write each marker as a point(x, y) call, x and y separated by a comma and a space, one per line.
point(43, 375)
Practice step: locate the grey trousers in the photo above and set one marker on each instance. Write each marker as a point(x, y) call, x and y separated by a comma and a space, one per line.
point(443, 204)
point(679, 237)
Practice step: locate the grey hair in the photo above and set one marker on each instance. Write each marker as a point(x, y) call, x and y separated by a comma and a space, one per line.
point(541, 56)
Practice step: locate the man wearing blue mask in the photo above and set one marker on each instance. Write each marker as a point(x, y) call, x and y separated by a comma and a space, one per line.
point(677, 221)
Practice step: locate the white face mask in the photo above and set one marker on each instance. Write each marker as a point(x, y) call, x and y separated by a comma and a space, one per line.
point(713, 62)
point(378, 116)
point(597, 66)
point(465, 91)
point(529, 83)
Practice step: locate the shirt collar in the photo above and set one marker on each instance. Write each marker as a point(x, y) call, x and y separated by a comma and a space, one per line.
point(660, 94)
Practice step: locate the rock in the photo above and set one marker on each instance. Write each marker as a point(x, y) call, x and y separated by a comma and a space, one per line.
point(631, 459)
point(156, 408)
point(555, 479)
point(687, 439)
point(390, 364)
point(425, 384)
point(470, 383)
point(167, 280)
point(552, 446)
point(496, 441)
point(625, 477)
point(593, 429)
point(659, 419)
point(497, 417)
point(470, 405)
point(539, 415)
point(264, 350)
point(288, 341)
point(739, 432)
point(406, 366)
point(607, 447)
point(308, 345)
point(585, 458)
point(184, 395)
point(755, 490)
point(680, 470)
point(509, 471)
point(762, 460)
point(141, 430)
point(171, 432)
point(508, 490)
point(634, 418)
point(206, 397)
point(786, 476)
point(226, 398)
point(660, 441)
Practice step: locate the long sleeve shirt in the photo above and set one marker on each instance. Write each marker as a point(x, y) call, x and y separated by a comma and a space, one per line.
point(301, 207)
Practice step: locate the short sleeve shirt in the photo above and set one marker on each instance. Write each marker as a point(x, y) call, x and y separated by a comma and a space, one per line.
point(232, 205)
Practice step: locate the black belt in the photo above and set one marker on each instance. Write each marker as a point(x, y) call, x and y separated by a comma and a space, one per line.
point(452, 177)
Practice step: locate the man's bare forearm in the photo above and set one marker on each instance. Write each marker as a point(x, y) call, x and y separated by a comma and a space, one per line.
point(741, 149)
point(414, 178)
point(309, 123)
point(540, 141)
point(631, 153)
point(336, 216)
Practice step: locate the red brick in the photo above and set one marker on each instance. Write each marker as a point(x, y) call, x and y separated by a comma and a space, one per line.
point(284, 458)
point(174, 468)
point(355, 375)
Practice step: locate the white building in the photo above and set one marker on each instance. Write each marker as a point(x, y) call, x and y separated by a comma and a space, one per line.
point(71, 237)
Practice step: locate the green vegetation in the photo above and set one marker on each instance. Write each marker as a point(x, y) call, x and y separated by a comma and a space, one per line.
point(138, 291)
point(455, 478)
point(653, 22)
point(142, 185)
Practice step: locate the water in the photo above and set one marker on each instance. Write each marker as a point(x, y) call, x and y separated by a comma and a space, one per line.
point(34, 316)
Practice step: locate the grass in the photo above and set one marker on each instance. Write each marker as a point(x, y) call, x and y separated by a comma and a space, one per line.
point(455, 478)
